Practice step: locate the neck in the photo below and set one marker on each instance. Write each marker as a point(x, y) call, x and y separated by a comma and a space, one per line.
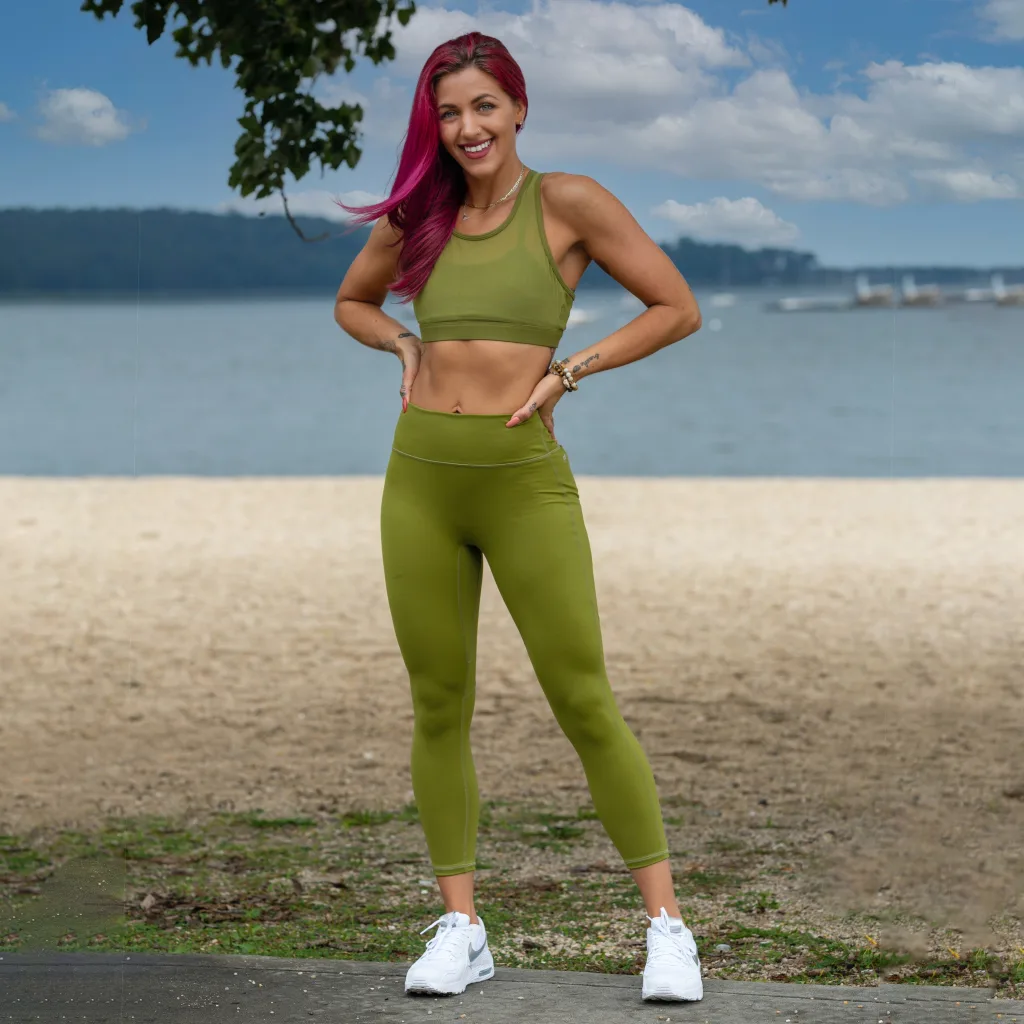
point(483, 191)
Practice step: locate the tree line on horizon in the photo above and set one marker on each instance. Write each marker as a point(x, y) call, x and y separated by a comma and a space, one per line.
point(63, 251)
point(166, 251)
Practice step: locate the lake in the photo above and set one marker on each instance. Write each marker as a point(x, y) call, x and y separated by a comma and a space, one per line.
point(248, 387)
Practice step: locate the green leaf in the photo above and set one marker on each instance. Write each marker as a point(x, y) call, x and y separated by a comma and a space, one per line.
point(274, 47)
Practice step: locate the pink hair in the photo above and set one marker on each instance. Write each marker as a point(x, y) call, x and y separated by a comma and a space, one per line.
point(430, 186)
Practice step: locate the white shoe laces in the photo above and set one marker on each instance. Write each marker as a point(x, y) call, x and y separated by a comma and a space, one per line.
point(665, 947)
point(440, 943)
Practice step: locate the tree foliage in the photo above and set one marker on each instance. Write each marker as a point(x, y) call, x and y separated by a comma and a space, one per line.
point(278, 49)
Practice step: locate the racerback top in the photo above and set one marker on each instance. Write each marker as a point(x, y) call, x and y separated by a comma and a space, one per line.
point(502, 285)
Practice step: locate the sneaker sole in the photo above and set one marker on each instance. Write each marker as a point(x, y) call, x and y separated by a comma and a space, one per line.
point(667, 993)
point(480, 970)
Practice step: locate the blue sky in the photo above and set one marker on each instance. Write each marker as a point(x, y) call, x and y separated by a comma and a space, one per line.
point(868, 131)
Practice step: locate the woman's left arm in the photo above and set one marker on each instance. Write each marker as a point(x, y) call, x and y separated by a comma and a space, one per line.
point(623, 250)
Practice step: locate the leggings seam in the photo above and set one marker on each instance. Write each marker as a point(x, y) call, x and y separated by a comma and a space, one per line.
point(465, 691)
point(476, 465)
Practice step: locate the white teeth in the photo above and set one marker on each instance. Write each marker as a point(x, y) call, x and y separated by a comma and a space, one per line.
point(478, 149)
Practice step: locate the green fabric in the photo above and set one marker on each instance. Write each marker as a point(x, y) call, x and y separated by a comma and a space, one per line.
point(460, 488)
point(502, 285)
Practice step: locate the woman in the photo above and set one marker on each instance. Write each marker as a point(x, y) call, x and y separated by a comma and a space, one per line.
point(491, 251)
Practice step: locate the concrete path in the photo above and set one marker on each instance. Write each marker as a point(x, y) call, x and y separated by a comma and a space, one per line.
point(123, 988)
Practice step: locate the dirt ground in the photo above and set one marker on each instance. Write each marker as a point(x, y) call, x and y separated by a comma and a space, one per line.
point(845, 658)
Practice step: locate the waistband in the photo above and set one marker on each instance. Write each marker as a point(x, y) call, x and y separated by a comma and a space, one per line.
point(465, 439)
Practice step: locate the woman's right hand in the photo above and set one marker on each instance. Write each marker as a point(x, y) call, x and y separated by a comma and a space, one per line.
point(408, 348)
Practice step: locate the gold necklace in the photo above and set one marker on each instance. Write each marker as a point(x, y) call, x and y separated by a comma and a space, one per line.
point(522, 171)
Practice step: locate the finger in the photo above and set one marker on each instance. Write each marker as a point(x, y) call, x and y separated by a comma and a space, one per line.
point(406, 389)
point(517, 417)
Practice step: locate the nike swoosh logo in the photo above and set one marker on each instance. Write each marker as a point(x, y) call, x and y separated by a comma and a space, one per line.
point(474, 953)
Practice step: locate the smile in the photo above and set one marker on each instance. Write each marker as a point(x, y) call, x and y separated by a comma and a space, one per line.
point(477, 149)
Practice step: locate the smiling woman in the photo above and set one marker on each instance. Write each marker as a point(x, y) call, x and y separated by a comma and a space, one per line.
point(491, 251)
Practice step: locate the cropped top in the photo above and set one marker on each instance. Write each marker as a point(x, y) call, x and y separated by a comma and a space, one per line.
point(502, 285)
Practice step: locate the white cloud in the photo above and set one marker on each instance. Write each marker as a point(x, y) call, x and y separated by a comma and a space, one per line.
point(655, 87)
point(310, 203)
point(6, 114)
point(967, 186)
point(585, 62)
point(745, 221)
point(81, 117)
point(1007, 17)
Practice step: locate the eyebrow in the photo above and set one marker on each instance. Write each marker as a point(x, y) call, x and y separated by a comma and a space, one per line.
point(476, 99)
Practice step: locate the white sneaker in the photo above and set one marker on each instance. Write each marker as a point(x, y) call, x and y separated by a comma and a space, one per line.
point(456, 956)
point(673, 967)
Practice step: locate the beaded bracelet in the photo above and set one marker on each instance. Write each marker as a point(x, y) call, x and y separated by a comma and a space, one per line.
point(562, 369)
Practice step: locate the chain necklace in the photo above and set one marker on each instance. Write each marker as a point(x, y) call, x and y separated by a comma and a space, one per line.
point(522, 171)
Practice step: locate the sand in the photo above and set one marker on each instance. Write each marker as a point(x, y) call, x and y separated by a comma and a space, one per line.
point(849, 652)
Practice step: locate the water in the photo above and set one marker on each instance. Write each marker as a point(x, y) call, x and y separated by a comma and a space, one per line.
point(273, 387)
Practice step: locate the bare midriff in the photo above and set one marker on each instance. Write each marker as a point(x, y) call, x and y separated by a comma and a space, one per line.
point(478, 377)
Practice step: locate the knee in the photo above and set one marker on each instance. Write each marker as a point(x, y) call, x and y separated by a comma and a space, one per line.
point(588, 719)
point(437, 707)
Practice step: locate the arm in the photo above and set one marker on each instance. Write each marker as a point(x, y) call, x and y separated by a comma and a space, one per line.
point(619, 246)
point(357, 308)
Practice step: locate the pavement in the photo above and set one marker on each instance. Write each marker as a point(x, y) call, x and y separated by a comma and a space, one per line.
point(118, 988)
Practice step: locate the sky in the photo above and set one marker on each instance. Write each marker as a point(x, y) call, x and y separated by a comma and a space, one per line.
point(865, 131)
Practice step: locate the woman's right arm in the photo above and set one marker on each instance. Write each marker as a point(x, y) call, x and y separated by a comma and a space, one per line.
point(357, 308)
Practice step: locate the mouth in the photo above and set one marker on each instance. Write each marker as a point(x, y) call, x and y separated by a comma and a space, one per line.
point(478, 149)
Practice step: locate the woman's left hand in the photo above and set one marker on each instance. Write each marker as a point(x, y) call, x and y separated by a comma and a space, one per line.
point(545, 397)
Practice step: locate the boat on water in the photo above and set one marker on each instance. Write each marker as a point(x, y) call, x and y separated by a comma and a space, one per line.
point(810, 303)
point(1007, 296)
point(911, 294)
point(873, 294)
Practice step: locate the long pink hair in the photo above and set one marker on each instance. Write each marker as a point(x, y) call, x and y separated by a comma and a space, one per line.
point(430, 186)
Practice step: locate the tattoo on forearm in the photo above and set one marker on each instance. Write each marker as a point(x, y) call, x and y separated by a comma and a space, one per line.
point(407, 334)
point(585, 362)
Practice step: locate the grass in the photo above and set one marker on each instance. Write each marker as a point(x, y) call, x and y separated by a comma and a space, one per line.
point(358, 887)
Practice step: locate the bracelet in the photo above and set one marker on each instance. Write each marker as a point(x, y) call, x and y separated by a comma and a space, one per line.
point(562, 369)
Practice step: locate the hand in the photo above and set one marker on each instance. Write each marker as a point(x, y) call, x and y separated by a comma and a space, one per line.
point(408, 349)
point(545, 397)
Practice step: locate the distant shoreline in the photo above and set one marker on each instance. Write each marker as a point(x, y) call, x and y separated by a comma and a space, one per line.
point(293, 293)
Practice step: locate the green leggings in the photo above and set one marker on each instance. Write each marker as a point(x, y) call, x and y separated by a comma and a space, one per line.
point(460, 488)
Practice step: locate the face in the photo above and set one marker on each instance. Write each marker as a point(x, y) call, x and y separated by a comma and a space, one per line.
point(472, 109)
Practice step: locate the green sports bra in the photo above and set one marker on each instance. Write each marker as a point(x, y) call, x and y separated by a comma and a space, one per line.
point(502, 285)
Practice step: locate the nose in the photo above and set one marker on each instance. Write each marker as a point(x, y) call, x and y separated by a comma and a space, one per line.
point(469, 129)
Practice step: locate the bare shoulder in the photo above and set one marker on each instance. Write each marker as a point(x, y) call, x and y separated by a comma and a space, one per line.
point(575, 198)
point(383, 233)
point(373, 271)
point(612, 237)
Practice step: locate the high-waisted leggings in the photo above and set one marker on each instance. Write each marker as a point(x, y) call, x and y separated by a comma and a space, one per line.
point(460, 488)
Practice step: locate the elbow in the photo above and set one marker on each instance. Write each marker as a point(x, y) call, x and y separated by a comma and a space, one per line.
point(691, 321)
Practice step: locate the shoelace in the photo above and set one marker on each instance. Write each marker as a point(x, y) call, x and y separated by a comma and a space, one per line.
point(438, 944)
point(669, 947)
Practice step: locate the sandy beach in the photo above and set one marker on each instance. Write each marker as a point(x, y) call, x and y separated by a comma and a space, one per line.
point(844, 656)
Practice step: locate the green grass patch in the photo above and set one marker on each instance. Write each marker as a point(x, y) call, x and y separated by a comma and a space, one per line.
point(358, 886)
